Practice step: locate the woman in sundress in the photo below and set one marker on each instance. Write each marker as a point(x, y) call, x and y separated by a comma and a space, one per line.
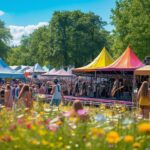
point(25, 96)
point(8, 97)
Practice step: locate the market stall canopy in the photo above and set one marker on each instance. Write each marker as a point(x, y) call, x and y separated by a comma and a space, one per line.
point(7, 72)
point(128, 61)
point(50, 73)
point(62, 73)
point(45, 68)
point(23, 69)
point(70, 70)
point(36, 69)
point(15, 67)
point(143, 71)
point(102, 60)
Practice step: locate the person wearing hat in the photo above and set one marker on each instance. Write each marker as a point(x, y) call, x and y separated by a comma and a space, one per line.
point(57, 94)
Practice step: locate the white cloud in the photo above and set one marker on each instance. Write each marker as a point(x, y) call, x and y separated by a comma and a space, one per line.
point(2, 13)
point(18, 32)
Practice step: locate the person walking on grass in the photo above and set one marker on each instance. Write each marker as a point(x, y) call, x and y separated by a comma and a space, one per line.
point(57, 94)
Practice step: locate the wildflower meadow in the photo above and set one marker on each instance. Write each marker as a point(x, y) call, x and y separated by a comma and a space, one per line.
point(43, 128)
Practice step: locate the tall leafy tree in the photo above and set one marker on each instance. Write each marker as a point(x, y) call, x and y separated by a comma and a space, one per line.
point(32, 49)
point(76, 37)
point(39, 45)
point(4, 39)
point(131, 19)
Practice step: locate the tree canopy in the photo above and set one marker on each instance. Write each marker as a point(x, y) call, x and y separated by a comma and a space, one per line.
point(71, 38)
point(131, 19)
point(4, 39)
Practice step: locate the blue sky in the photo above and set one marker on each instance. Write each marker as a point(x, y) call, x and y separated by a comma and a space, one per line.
point(32, 12)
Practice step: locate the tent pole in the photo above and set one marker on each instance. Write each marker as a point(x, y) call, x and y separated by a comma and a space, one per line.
point(133, 89)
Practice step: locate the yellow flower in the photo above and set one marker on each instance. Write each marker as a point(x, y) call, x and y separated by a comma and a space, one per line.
point(123, 109)
point(52, 145)
point(144, 127)
point(58, 123)
point(60, 138)
point(33, 127)
point(128, 139)
point(42, 113)
point(35, 142)
point(98, 131)
point(136, 145)
point(74, 119)
point(42, 132)
point(113, 137)
point(45, 142)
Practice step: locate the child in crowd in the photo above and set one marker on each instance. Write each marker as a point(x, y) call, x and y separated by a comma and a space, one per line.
point(79, 111)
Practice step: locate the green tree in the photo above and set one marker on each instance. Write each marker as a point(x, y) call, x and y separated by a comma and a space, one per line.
point(32, 49)
point(131, 19)
point(39, 45)
point(76, 37)
point(71, 38)
point(4, 39)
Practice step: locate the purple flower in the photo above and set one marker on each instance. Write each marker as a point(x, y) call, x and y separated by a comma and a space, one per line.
point(82, 112)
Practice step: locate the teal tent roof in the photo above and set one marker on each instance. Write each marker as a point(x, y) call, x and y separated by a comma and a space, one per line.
point(46, 69)
point(38, 68)
point(7, 72)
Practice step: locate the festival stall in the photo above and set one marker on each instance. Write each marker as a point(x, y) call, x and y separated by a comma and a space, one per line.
point(122, 72)
point(45, 68)
point(7, 72)
point(91, 85)
point(15, 67)
point(50, 73)
point(23, 69)
point(63, 73)
point(128, 61)
point(141, 74)
point(102, 60)
point(58, 74)
point(34, 71)
point(143, 71)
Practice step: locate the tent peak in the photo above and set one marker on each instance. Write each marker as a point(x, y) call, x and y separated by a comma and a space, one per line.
point(102, 60)
point(127, 61)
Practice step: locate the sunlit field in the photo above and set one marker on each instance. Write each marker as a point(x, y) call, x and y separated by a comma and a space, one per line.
point(43, 128)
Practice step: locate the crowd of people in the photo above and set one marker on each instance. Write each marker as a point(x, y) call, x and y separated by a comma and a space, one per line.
point(18, 93)
point(10, 93)
point(120, 89)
